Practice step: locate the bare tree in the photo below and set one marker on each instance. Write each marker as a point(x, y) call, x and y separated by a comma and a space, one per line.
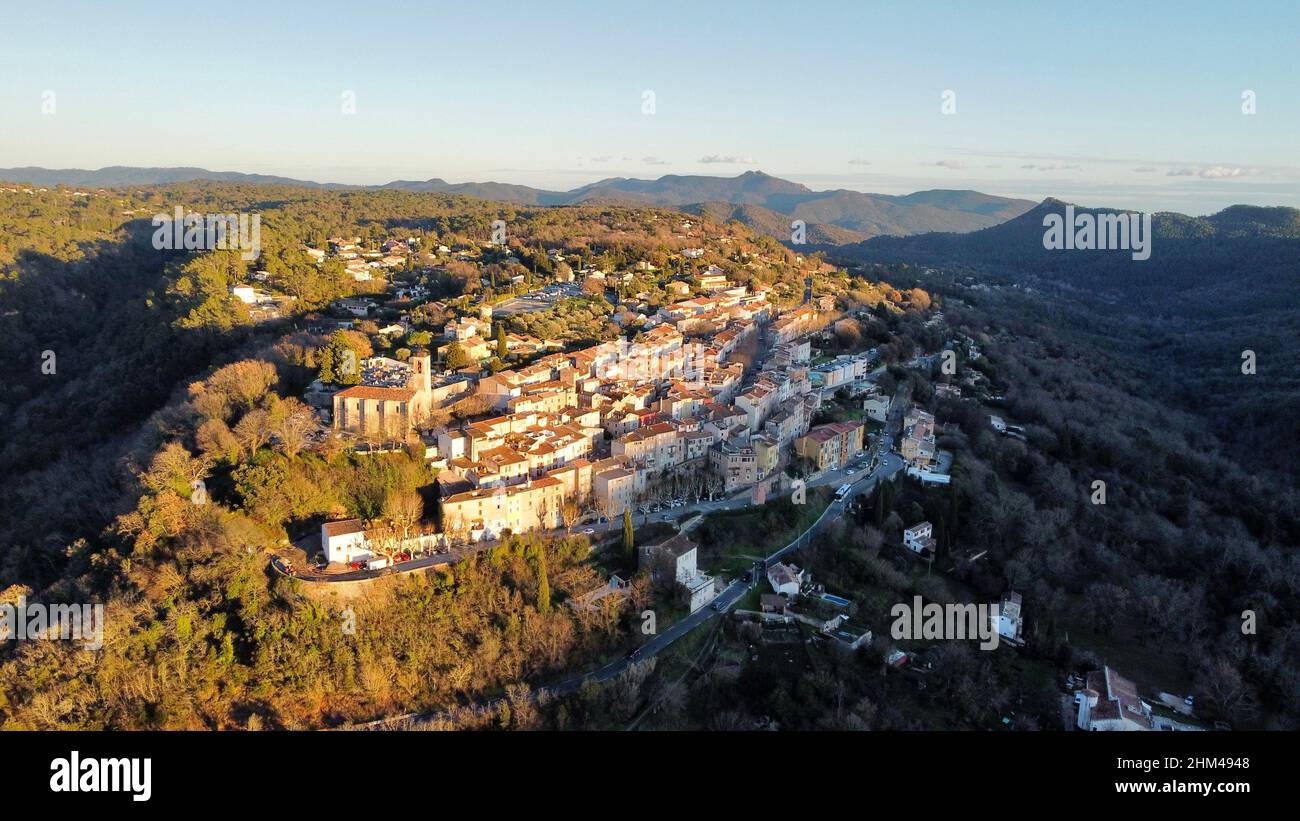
point(385, 540)
point(253, 431)
point(292, 422)
point(404, 509)
point(569, 514)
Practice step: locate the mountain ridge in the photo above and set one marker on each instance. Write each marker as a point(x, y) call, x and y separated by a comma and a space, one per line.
point(836, 215)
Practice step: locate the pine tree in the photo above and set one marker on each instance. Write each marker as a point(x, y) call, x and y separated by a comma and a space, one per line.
point(501, 341)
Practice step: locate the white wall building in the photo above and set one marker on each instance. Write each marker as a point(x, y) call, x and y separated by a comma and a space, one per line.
point(1110, 703)
point(1009, 622)
point(785, 579)
point(919, 538)
point(344, 541)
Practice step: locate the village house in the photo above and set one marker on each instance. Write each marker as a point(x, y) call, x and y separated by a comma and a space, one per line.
point(674, 562)
point(919, 539)
point(1009, 622)
point(918, 447)
point(736, 463)
point(786, 579)
point(831, 446)
point(1111, 703)
point(877, 407)
point(344, 541)
point(488, 512)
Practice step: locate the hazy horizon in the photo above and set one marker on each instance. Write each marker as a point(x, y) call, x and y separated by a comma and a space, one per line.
point(1108, 105)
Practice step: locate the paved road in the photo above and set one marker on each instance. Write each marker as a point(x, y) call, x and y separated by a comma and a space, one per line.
point(310, 544)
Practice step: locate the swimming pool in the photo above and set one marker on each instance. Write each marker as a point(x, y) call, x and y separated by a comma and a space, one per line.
point(836, 600)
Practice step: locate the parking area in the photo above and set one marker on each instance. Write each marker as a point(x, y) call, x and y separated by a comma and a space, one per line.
point(537, 300)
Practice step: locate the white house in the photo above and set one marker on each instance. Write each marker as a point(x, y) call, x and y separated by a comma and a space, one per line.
point(877, 407)
point(1110, 703)
point(785, 578)
point(356, 307)
point(919, 538)
point(1009, 622)
point(344, 541)
point(676, 558)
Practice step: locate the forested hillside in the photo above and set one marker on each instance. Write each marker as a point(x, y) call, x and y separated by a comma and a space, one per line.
point(158, 377)
point(1213, 289)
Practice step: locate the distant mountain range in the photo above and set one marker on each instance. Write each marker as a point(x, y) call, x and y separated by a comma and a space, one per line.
point(765, 203)
point(1242, 260)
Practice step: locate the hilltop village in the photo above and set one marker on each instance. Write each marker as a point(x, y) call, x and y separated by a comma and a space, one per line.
point(714, 393)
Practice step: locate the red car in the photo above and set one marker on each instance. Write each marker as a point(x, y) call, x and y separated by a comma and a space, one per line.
point(404, 556)
point(357, 565)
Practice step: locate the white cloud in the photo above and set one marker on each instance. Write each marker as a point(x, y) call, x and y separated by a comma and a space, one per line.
point(728, 159)
point(653, 161)
point(1212, 172)
point(1218, 171)
point(859, 162)
point(955, 165)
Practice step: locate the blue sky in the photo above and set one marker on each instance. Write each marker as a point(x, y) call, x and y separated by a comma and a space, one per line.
point(1108, 104)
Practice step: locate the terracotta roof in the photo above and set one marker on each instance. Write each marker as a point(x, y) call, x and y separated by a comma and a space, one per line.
point(342, 527)
point(678, 545)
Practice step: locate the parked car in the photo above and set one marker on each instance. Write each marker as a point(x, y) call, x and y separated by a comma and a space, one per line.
point(357, 565)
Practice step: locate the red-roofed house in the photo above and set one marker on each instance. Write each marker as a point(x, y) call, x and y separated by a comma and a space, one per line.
point(1110, 703)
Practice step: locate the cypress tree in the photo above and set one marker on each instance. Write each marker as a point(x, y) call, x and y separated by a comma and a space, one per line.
point(543, 582)
point(629, 544)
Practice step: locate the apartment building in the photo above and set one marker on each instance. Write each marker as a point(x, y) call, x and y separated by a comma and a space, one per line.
point(615, 490)
point(488, 512)
point(654, 446)
point(736, 463)
point(830, 447)
point(917, 446)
